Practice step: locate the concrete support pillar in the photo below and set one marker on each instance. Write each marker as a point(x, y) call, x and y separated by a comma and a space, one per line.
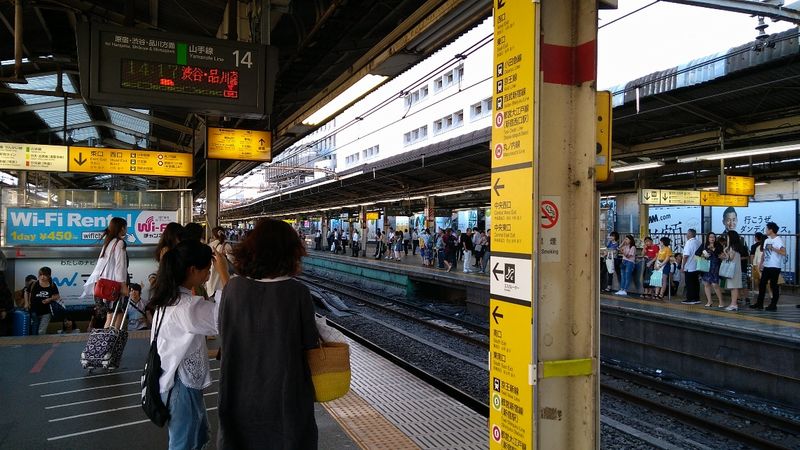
point(22, 184)
point(567, 308)
point(364, 230)
point(430, 214)
point(644, 211)
point(324, 226)
point(212, 194)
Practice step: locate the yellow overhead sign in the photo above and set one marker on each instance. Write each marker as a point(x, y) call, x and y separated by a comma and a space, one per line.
point(669, 197)
point(716, 199)
point(602, 157)
point(248, 145)
point(50, 158)
point(130, 162)
point(373, 215)
point(740, 185)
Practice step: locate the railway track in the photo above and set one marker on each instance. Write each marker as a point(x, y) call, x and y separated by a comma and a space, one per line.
point(751, 427)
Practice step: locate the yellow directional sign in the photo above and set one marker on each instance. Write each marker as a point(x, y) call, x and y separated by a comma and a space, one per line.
point(130, 162)
point(514, 230)
point(602, 157)
point(50, 158)
point(669, 197)
point(373, 215)
point(512, 211)
point(248, 145)
point(716, 199)
point(740, 185)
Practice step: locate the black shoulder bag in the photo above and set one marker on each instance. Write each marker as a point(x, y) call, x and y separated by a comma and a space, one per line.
point(153, 406)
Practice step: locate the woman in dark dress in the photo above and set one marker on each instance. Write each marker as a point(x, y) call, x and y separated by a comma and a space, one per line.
point(266, 322)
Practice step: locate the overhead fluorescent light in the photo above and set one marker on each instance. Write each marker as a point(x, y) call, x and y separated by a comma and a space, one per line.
point(169, 190)
point(762, 183)
point(361, 87)
point(445, 194)
point(483, 188)
point(638, 166)
point(790, 147)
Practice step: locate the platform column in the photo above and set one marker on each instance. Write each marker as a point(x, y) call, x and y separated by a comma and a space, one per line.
point(364, 230)
point(644, 211)
point(567, 302)
point(430, 214)
point(212, 194)
point(324, 225)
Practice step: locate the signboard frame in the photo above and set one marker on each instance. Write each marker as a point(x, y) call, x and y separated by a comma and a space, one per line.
point(242, 142)
point(101, 68)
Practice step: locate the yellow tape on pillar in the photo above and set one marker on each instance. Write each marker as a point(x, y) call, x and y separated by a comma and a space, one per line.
point(567, 368)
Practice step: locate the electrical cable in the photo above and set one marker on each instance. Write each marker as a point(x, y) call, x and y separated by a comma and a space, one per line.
point(626, 15)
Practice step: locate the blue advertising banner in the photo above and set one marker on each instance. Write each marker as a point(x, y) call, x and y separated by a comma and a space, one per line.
point(80, 227)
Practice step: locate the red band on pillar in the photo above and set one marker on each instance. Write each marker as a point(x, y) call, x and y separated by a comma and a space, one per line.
point(569, 65)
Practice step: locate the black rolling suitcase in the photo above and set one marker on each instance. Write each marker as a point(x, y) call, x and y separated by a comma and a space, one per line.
point(105, 346)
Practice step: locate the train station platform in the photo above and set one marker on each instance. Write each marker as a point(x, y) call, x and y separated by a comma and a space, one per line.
point(51, 403)
point(749, 351)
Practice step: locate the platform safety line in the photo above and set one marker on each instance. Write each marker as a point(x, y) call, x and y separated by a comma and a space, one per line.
point(83, 402)
point(110, 427)
point(77, 416)
point(93, 376)
point(43, 360)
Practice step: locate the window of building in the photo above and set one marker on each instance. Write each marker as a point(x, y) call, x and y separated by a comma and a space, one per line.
point(416, 135)
point(448, 122)
point(481, 109)
point(371, 152)
point(417, 95)
point(352, 159)
point(449, 78)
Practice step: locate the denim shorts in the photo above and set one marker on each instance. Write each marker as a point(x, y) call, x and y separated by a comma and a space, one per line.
point(188, 423)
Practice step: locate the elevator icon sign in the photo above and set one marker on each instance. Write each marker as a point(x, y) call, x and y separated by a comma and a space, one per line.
point(511, 278)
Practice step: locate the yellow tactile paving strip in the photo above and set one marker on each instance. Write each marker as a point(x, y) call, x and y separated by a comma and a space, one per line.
point(55, 338)
point(366, 426)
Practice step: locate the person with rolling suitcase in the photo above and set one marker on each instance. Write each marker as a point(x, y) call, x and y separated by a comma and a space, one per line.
point(105, 345)
point(109, 279)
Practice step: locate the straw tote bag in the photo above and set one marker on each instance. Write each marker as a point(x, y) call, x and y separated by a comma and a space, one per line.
point(330, 370)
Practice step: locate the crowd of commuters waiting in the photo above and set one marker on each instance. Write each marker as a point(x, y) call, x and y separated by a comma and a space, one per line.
point(443, 249)
point(717, 262)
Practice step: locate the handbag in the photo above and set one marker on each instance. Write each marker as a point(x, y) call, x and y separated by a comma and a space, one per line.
point(329, 364)
point(656, 278)
point(609, 265)
point(105, 288)
point(57, 309)
point(727, 269)
point(703, 265)
point(154, 408)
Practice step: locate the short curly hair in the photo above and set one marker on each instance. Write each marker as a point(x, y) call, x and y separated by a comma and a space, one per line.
point(272, 249)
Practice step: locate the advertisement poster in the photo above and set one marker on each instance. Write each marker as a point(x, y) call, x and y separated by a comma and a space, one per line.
point(81, 227)
point(70, 274)
point(753, 218)
point(673, 222)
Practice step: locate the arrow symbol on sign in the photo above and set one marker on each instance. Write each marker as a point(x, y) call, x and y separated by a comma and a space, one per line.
point(498, 186)
point(495, 315)
point(80, 159)
point(495, 271)
point(261, 141)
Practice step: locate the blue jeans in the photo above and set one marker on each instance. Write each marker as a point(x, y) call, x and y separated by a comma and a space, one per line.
point(188, 423)
point(627, 270)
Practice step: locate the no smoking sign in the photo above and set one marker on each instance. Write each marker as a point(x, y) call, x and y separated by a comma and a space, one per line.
point(549, 214)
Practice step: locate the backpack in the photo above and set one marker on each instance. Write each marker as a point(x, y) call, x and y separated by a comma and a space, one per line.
point(153, 406)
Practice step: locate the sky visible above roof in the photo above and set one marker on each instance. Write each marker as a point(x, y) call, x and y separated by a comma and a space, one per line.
point(665, 35)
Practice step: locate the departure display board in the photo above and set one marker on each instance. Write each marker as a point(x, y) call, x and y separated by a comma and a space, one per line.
point(150, 69)
point(193, 80)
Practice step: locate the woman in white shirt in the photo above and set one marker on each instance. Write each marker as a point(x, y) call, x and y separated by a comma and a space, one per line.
point(187, 320)
point(112, 264)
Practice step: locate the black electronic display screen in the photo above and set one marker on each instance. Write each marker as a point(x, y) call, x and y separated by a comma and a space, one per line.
point(180, 79)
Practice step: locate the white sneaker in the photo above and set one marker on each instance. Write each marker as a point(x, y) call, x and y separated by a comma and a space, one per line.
point(620, 292)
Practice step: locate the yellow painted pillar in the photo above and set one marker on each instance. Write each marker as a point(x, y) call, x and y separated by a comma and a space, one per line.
point(644, 211)
point(567, 306)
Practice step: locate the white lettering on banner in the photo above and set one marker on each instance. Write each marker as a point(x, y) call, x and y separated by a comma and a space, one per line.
point(54, 219)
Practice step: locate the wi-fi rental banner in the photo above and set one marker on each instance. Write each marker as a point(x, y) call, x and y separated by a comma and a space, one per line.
point(81, 227)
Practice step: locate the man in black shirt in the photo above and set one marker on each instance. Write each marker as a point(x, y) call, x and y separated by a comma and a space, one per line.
point(467, 247)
